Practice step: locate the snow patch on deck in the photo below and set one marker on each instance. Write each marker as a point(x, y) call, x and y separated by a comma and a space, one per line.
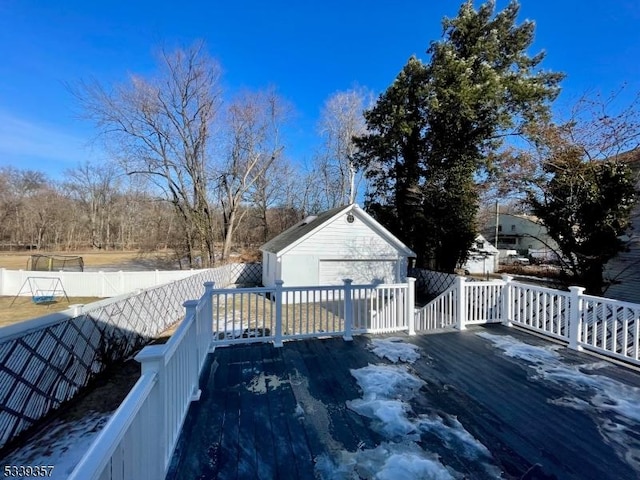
point(613, 406)
point(395, 349)
point(387, 391)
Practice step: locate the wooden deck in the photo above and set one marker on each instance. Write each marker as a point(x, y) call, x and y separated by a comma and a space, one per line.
point(268, 413)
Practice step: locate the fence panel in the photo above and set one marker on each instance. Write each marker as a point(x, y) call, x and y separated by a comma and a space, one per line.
point(312, 311)
point(388, 308)
point(431, 283)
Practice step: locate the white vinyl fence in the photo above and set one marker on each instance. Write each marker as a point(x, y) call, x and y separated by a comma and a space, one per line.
point(86, 284)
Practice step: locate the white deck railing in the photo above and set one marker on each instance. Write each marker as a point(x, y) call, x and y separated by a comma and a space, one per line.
point(609, 327)
point(285, 313)
point(441, 312)
point(139, 439)
point(156, 407)
point(544, 310)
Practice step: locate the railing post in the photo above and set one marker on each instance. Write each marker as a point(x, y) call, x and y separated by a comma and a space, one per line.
point(507, 299)
point(190, 307)
point(151, 359)
point(575, 316)
point(411, 305)
point(278, 298)
point(348, 310)
point(461, 303)
point(207, 326)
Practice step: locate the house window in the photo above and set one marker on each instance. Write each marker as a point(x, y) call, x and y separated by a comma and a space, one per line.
point(513, 228)
point(499, 228)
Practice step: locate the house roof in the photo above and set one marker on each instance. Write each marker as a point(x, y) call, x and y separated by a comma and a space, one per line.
point(309, 225)
point(486, 248)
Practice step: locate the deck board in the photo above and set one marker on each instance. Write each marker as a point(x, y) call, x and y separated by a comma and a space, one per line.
point(271, 412)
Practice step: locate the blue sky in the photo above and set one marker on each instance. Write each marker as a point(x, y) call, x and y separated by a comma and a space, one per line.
point(307, 50)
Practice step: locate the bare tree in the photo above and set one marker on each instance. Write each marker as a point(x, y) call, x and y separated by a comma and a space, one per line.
point(269, 192)
point(96, 188)
point(342, 119)
point(254, 121)
point(162, 128)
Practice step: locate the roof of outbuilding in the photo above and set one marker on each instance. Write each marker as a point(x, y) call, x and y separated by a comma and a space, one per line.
point(300, 229)
point(296, 233)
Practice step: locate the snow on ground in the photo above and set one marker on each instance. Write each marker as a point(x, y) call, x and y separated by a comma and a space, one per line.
point(614, 406)
point(387, 391)
point(61, 446)
point(395, 349)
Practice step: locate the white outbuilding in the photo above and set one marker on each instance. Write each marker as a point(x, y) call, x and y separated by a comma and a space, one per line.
point(482, 257)
point(341, 243)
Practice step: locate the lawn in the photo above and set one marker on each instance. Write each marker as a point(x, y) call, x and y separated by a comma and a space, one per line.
point(24, 309)
point(19, 260)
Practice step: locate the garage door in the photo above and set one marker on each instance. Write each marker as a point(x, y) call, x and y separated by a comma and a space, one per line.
point(332, 272)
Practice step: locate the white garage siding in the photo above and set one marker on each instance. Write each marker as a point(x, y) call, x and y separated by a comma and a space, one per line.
point(333, 272)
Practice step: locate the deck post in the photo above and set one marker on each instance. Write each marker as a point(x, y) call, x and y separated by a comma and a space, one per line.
point(277, 342)
point(348, 310)
point(411, 305)
point(575, 316)
point(193, 372)
point(505, 314)
point(461, 303)
point(207, 327)
point(152, 359)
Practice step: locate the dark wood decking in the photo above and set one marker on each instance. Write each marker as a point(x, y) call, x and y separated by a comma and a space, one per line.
point(270, 413)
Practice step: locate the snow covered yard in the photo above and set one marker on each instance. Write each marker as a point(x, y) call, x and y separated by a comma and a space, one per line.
point(485, 403)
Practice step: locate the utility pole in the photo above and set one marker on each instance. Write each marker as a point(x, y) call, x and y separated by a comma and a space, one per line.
point(497, 222)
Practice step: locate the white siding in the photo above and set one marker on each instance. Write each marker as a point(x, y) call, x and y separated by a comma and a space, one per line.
point(299, 270)
point(333, 272)
point(340, 239)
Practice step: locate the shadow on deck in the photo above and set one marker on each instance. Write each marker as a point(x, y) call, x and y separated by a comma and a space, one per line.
point(489, 402)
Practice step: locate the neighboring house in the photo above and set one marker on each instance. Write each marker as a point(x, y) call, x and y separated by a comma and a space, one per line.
point(624, 269)
point(341, 243)
point(523, 233)
point(482, 257)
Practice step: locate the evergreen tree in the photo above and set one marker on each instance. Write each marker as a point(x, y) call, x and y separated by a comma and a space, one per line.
point(394, 152)
point(433, 130)
point(586, 208)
